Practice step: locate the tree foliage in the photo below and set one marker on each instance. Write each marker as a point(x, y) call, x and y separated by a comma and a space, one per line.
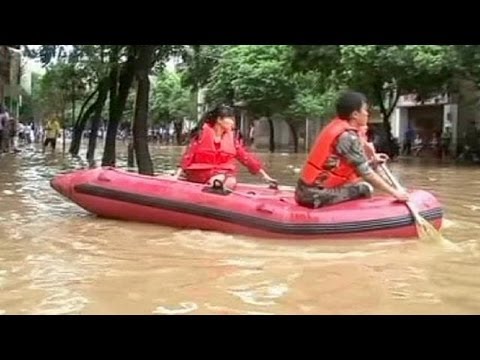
point(257, 75)
point(60, 85)
point(382, 72)
point(386, 72)
point(295, 81)
point(468, 62)
point(315, 96)
point(171, 100)
point(199, 61)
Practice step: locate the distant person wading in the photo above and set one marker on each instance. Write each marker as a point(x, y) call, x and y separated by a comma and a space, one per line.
point(52, 131)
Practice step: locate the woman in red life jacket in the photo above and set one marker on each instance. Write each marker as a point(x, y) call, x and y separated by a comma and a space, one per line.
point(212, 152)
point(337, 168)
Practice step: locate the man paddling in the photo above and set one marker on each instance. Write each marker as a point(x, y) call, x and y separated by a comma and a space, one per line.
point(337, 168)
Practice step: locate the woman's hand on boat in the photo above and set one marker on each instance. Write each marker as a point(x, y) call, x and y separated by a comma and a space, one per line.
point(267, 177)
point(270, 180)
point(177, 175)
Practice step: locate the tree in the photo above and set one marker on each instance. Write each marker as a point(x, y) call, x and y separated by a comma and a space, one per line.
point(259, 76)
point(88, 63)
point(172, 101)
point(111, 69)
point(468, 61)
point(315, 96)
point(385, 73)
point(32, 104)
point(143, 65)
point(314, 99)
point(323, 59)
point(60, 87)
point(199, 63)
point(97, 109)
point(382, 72)
point(121, 79)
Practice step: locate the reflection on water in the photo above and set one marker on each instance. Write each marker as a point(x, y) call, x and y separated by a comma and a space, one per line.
point(57, 259)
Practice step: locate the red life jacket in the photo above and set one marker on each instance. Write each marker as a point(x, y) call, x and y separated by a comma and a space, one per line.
point(209, 156)
point(314, 172)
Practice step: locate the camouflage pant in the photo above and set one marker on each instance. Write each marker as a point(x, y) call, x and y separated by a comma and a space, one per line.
point(315, 197)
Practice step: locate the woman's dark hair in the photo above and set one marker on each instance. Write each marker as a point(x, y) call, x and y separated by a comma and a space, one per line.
point(221, 111)
point(349, 102)
point(211, 116)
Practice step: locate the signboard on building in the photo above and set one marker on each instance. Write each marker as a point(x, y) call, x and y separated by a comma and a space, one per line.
point(375, 117)
point(411, 100)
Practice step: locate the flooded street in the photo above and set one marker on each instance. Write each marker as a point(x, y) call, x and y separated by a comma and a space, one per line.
point(55, 258)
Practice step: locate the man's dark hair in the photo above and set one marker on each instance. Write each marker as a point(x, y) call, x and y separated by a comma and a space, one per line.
point(349, 102)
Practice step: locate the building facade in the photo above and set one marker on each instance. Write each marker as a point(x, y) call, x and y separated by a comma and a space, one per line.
point(10, 75)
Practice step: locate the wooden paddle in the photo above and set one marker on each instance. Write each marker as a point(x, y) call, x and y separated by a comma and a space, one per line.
point(424, 228)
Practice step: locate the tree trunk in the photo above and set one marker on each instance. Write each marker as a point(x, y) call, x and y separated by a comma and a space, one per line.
point(73, 110)
point(79, 129)
point(109, 151)
point(295, 136)
point(387, 126)
point(117, 106)
point(143, 65)
point(390, 147)
point(178, 126)
point(84, 106)
point(99, 104)
point(130, 155)
point(79, 126)
point(272, 135)
point(63, 131)
point(73, 117)
point(113, 63)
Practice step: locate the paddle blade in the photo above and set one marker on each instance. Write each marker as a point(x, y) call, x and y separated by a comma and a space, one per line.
point(428, 233)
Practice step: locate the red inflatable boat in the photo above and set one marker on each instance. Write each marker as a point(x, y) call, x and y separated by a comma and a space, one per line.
point(251, 209)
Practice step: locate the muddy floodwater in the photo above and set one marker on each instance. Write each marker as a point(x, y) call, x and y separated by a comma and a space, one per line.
point(55, 258)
